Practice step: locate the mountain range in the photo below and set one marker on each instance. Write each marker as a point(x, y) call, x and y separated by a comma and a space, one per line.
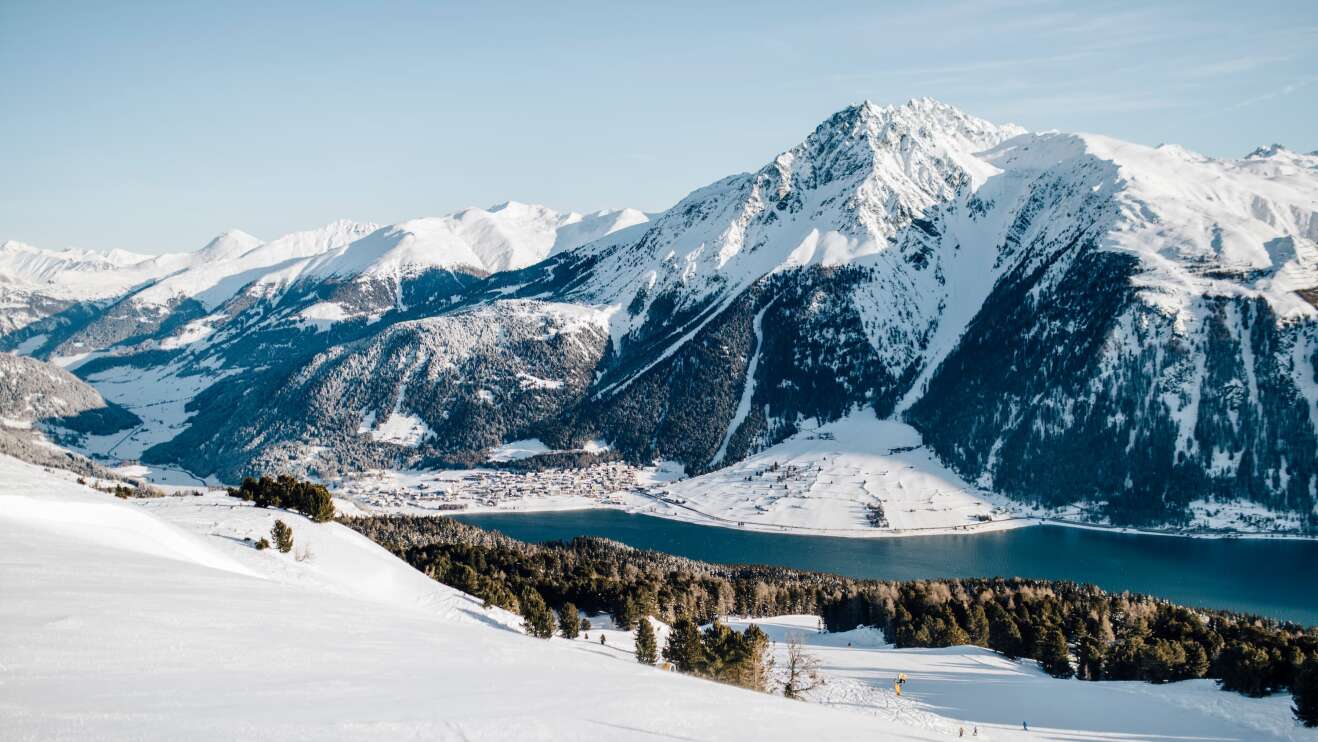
point(1064, 318)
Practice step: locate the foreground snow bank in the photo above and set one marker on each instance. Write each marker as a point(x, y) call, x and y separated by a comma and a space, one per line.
point(157, 619)
point(101, 638)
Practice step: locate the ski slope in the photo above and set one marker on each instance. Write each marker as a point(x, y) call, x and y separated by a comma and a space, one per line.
point(109, 630)
point(157, 619)
point(983, 688)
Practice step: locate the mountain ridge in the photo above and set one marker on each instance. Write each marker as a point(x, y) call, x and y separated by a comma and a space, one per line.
point(1035, 304)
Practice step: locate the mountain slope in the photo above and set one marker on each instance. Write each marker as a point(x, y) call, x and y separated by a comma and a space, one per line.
point(366, 265)
point(32, 392)
point(1065, 319)
point(345, 643)
point(1149, 348)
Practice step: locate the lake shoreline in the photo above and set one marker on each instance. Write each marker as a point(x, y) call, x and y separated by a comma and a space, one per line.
point(644, 504)
point(641, 505)
point(1267, 577)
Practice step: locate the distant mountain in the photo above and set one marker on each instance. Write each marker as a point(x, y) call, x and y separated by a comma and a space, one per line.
point(34, 393)
point(129, 301)
point(38, 400)
point(1064, 318)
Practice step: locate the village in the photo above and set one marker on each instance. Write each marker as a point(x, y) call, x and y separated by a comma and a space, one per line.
point(601, 485)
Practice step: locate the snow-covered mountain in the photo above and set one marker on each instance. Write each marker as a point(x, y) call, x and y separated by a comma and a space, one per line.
point(1063, 318)
point(33, 393)
point(368, 266)
point(40, 401)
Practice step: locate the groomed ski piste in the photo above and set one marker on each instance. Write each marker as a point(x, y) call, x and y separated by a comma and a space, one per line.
point(157, 619)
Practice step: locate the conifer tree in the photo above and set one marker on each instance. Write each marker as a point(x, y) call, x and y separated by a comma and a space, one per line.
point(1196, 662)
point(1089, 657)
point(646, 646)
point(1004, 634)
point(978, 626)
point(1244, 668)
point(1123, 659)
point(756, 665)
point(1053, 655)
point(569, 623)
point(626, 613)
point(537, 619)
point(1305, 693)
point(684, 648)
point(283, 536)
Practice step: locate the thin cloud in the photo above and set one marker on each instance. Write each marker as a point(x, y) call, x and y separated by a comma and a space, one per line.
point(1233, 66)
point(1278, 93)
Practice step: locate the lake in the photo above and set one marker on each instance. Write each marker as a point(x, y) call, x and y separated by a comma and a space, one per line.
point(1273, 577)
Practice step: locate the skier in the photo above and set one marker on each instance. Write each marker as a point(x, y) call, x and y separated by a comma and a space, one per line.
point(1025, 725)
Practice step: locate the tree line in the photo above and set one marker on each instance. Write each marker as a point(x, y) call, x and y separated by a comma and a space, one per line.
point(1071, 629)
point(289, 493)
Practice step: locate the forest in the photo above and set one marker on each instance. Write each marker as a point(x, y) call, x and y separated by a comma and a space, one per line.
point(1073, 630)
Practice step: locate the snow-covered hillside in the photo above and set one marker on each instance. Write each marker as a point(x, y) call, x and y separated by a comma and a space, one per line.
point(838, 479)
point(32, 392)
point(157, 619)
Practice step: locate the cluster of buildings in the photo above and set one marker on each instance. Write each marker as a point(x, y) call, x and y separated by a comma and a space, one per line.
point(489, 488)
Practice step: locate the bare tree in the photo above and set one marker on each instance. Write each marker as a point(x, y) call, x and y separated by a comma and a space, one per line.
point(802, 669)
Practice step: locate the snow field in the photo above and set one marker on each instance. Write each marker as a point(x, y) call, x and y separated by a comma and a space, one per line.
point(107, 641)
point(157, 619)
point(826, 476)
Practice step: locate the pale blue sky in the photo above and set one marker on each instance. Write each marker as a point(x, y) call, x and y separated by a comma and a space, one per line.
point(153, 126)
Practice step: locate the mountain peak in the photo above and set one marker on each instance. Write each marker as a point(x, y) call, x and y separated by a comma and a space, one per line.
point(15, 246)
point(1271, 150)
point(926, 119)
point(229, 244)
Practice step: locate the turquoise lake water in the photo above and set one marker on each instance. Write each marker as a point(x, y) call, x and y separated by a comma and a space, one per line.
point(1275, 578)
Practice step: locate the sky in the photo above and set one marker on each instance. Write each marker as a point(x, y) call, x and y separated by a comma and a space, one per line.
point(154, 126)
